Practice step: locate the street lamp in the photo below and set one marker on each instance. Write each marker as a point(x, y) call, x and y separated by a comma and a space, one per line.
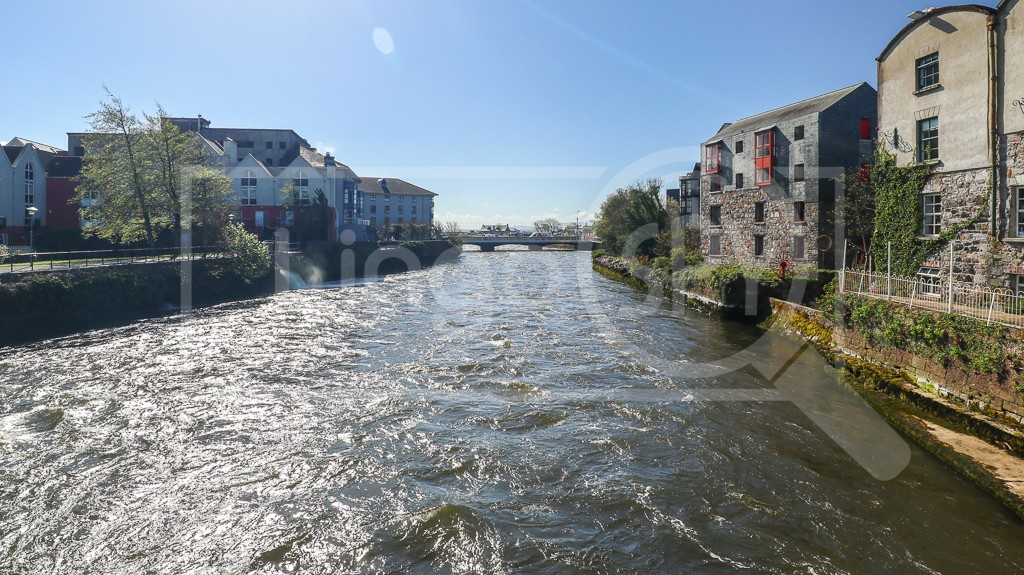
point(31, 211)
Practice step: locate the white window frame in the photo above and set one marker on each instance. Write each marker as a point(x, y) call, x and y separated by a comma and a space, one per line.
point(248, 187)
point(926, 153)
point(932, 210)
point(1018, 195)
point(929, 281)
point(30, 184)
point(301, 183)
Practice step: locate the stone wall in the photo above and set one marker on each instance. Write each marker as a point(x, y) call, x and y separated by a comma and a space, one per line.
point(965, 195)
point(739, 228)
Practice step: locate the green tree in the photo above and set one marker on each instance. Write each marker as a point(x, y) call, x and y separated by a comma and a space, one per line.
point(210, 196)
point(115, 173)
point(135, 171)
point(627, 210)
point(171, 153)
point(549, 225)
point(250, 257)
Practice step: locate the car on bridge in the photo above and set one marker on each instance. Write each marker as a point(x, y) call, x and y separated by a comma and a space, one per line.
point(540, 235)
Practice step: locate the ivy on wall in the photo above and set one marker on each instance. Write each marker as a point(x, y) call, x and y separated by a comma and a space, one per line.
point(898, 214)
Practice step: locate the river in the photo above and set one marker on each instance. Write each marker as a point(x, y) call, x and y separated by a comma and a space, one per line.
point(508, 413)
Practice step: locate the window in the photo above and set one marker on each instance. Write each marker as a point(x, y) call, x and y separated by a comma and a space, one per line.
point(1019, 195)
point(686, 206)
point(758, 212)
point(758, 245)
point(798, 133)
point(716, 184)
point(798, 173)
point(932, 209)
point(373, 220)
point(401, 198)
point(280, 145)
point(248, 185)
point(373, 209)
point(928, 139)
point(289, 218)
point(715, 245)
point(414, 210)
point(1018, 285)
point(30, 184)
point(739, 146)
point(387, 198)
point(259, 219)
point(799, 211)
point(270, 145)
point(928, 71)
point(739, 180)
point(301, 191)
point(715, 215)
point(387, 209)
point(929, 281)
point(798, 248)
point(401, 210)
point(764, 157)
point(373, 197)
point(865, 128)
point(712, 155)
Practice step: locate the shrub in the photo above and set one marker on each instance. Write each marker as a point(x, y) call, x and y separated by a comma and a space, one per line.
point(251, 258)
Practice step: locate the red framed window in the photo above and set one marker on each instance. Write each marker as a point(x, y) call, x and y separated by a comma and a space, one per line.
point(865, 128)
point(712, 157)
point(764, 157)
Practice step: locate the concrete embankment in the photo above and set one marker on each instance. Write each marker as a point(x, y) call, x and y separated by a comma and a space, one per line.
point(960, 420)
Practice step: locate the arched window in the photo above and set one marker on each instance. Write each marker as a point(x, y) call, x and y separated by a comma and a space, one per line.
point(301, 185)
point(249, 188)
point(30, 184)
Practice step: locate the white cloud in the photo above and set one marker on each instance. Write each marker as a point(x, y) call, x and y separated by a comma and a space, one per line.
point(324, 148)
point(3, 142)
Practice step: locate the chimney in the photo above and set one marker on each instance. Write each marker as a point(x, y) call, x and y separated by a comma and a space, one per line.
point(230, 150)
point(328, 159)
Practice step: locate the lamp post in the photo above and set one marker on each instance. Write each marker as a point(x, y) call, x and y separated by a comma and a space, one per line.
point(31, 211)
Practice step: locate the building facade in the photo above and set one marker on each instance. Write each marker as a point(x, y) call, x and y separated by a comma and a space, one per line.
point(23, 185)
point(950, 95)
point(390, 201)
point(768, 182)
point(275, 172)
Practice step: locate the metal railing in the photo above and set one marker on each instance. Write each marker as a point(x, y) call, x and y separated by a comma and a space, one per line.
point(35, 261)
point(991, 305)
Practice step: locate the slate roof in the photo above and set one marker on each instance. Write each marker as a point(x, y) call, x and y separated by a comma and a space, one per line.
point(19, 141)
point(370, 185)
point(770, 118)
point(12, 152)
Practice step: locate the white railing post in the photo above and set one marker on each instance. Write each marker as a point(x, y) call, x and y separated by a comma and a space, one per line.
point(888, 270)
point(949, 305)
point(991, 306)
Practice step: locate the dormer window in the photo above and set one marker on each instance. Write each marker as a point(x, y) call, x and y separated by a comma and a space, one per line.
point(712, 157)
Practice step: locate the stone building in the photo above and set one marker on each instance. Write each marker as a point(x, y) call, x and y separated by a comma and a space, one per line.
point(768, 184)
point(950, 94)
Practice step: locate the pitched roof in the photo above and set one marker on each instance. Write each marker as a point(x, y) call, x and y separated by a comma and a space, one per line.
point(795, 110)
point(12, 152)
point(19, 141)
point(64, 167)
point(371, 185)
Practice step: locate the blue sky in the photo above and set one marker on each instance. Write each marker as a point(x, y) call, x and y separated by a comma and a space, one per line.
point(511, 110)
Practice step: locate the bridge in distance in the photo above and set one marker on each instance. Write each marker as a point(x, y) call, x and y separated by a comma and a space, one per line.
point(488, 244)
